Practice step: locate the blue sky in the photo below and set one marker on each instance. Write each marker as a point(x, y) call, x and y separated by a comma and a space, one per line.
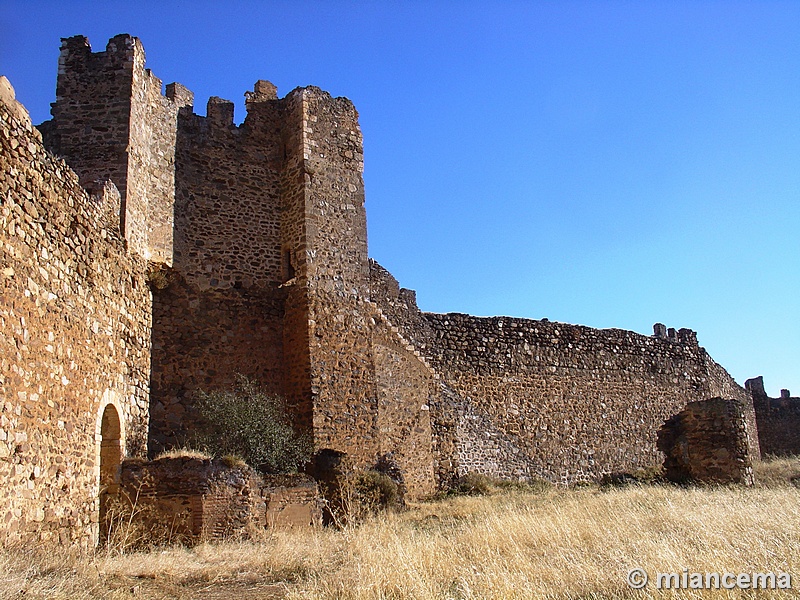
point(612, 164)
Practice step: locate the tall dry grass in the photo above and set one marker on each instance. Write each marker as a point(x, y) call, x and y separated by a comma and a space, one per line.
point(551, 544)
point(565, 545)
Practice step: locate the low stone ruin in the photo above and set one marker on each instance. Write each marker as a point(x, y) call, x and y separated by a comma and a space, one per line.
point(707, 442)
point(291, 501)
point(190, 499)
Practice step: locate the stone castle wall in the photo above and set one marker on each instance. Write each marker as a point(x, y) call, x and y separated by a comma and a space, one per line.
point(227, 196)
point(777, 419)
point(536, 398)
point(74, 338)
point(220, 311)
point(579, 402)
point(246, 246)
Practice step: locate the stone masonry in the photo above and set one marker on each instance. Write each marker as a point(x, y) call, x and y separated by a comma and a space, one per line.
point(74, 339)
point(189, 499)
point(778, 420)
point(707, 442)
point(150, 252)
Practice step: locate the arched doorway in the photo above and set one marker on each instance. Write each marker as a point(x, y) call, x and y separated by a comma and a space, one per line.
point(110, 461)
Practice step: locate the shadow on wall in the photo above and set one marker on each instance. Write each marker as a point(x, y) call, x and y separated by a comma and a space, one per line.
point(110, 462)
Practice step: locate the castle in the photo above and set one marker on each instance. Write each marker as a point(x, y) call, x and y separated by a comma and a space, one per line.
point(149, 252)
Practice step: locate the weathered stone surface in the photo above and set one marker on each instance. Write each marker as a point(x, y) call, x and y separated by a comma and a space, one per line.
point(177, 250)
point(778, 420)
point(707, 442)
point(292, 501)
point(196, 499)
point(74, 339)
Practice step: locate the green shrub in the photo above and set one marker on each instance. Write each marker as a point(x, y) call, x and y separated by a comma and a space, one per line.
point(360, 494)
point(250, 423)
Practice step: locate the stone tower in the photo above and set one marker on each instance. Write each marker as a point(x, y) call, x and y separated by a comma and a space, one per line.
point(110, 121)
point(257, 232)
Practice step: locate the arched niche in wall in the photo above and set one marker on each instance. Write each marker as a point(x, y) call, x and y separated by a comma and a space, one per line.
point(110, 444)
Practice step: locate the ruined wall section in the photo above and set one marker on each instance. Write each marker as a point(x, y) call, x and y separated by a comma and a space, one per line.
point(464, 438)
point(407, 387)
point(399, 305)
point(74, 336)
point(707, 442)
point(111, 121)
point(583, 402)
point(334, 271)
point(778, 420)
point(219, 311)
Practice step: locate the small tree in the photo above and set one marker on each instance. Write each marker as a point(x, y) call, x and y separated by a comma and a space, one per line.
point(253, 424)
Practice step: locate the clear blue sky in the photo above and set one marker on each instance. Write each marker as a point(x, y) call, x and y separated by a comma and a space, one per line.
point(612, 164)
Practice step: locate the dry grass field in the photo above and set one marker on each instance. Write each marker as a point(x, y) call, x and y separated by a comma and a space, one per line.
point(549, 543)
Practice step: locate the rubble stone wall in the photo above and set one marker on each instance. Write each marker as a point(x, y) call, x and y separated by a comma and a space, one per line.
point(778, 420)
point(74, 338)
point(579, 402)
point(707, 442)
point(406, 388)
point(778, 425)
point(192, 499)
point(227, 196)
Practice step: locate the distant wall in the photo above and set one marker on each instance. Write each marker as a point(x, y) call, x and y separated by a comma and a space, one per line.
point(74, 339)
point(778, 420)
point(579, 402)
point(523, 398)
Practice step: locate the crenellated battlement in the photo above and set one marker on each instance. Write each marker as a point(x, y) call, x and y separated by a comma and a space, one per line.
point(169, 252)
point(111, 122)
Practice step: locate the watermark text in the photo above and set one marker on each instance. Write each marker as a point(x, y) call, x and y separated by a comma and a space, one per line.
point(690, 580)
